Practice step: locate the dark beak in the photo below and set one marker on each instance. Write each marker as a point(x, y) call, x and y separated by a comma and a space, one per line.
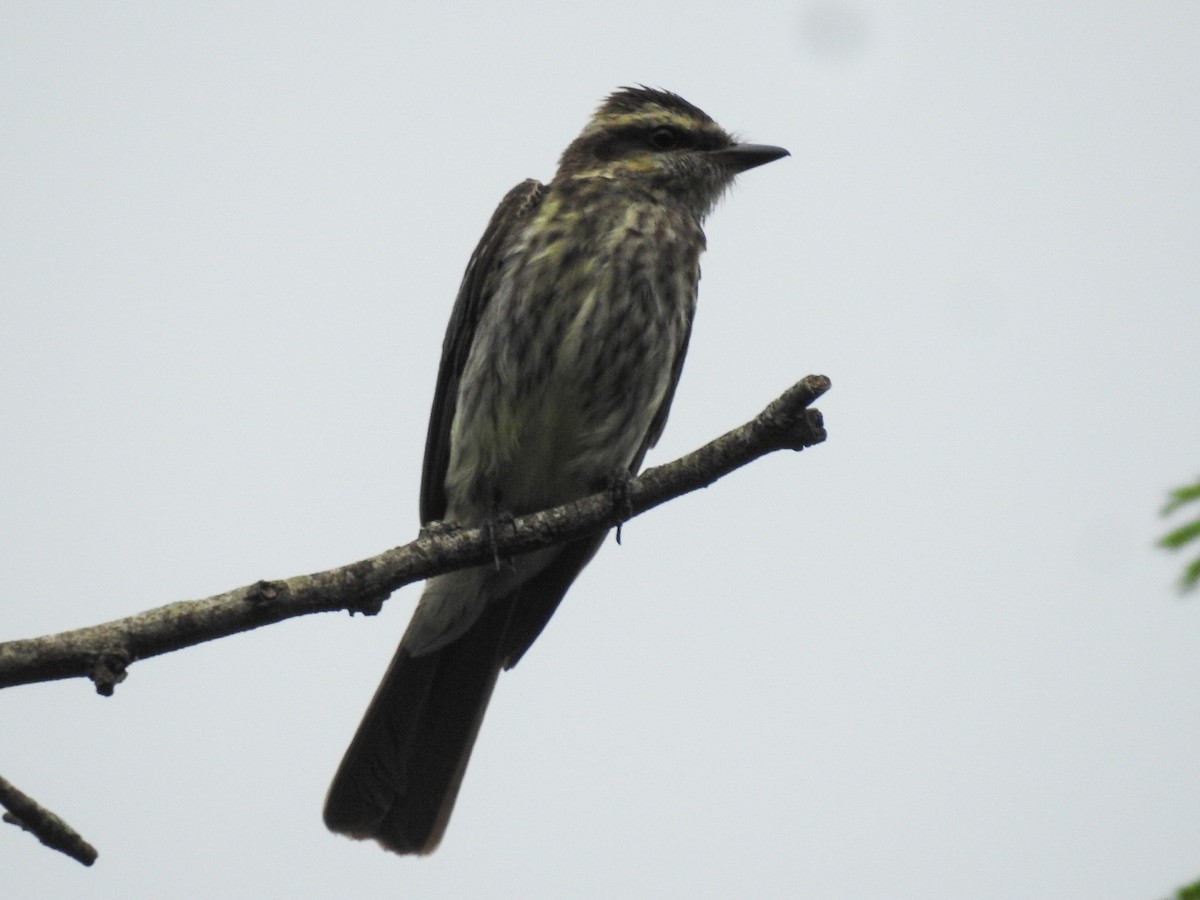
point(741, 157)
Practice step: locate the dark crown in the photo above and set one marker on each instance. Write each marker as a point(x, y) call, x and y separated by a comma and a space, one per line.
point(643, 99)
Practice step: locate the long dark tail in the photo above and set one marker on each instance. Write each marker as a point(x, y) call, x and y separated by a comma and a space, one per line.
point(400, 776)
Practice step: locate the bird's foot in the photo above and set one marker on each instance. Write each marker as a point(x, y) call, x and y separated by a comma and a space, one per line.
point(618, 487)
point(502, 518)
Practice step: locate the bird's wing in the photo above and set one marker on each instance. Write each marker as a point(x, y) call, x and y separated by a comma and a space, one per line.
point(473, 296)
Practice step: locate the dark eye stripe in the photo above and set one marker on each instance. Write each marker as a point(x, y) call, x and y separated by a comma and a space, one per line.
point(626, 139)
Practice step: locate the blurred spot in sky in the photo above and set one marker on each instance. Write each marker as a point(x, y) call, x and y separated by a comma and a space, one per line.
point(834, 31)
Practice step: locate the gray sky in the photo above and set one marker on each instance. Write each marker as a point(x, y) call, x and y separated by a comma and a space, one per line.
point(936, 657)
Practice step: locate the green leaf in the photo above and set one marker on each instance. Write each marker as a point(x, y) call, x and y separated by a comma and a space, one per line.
point(1177, 539)
point(1182, 496)
point(1189, 581)
point(1181, 536)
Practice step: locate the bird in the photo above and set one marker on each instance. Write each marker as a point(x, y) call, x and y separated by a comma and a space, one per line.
point(560, 361)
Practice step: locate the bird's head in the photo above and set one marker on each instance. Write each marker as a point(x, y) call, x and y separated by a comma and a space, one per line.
point(644, 136)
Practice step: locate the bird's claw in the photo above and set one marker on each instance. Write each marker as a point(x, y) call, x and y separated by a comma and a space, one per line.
point(499, 520)
point(622, 497)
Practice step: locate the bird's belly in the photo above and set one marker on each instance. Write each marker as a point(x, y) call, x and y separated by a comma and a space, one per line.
point(569, 444)
point(528, 446)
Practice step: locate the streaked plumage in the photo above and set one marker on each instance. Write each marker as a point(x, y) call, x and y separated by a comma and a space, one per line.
point(560, 361)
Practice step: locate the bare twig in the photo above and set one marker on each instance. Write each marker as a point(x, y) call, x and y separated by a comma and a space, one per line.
point(48, 828)
point(103, 652)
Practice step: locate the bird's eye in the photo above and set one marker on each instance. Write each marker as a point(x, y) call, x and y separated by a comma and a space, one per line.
point(665, 138)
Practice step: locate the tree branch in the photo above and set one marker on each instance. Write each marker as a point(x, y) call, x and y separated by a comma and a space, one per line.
point(103, 652)
point(48, 828)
